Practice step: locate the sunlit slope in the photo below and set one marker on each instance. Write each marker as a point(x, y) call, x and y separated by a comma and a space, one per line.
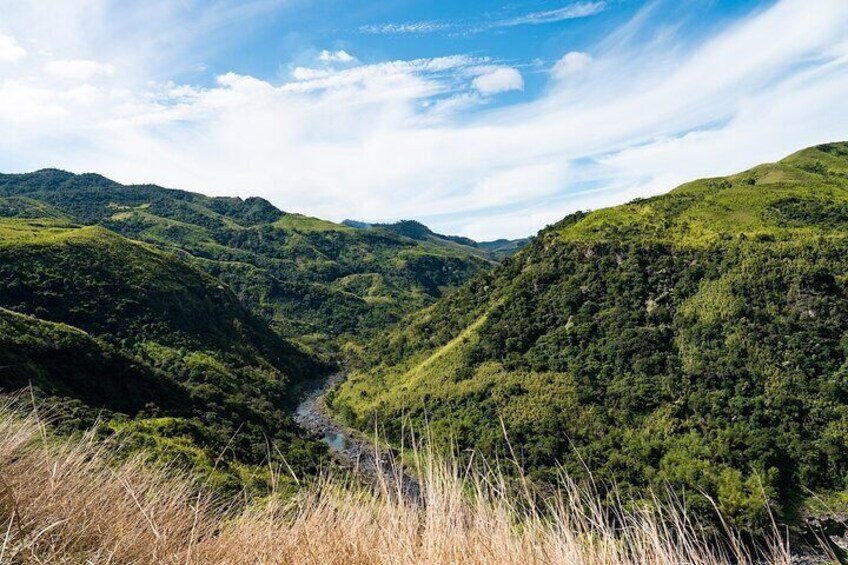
point(115, 325)
point(321, 283)
point(695, 339)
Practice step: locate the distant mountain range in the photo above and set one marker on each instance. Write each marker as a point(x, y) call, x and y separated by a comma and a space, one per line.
point(494, 250)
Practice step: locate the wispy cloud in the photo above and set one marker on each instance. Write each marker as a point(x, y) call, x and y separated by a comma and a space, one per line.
point(569, 12)
point(405, 28)
point(410, 138)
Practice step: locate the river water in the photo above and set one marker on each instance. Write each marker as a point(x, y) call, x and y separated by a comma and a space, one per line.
point(352, 451)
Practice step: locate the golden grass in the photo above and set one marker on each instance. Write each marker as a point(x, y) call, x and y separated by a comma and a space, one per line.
point(73, 501)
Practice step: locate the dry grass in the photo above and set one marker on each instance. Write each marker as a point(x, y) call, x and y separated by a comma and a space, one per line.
point(72, 502)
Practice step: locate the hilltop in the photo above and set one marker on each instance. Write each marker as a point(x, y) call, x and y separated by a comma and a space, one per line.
point(319, 283)
point(694, 339)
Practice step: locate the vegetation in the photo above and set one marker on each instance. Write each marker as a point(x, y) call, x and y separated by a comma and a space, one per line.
point(190, 324)
point(116, 329)
point(71, 501)
point(322, 284)
point(695, 340)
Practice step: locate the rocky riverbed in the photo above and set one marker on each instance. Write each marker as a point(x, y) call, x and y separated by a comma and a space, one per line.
point(352, 451)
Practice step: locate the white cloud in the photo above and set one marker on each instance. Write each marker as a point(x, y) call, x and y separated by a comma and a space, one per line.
point(404, 28)
point(500, 79)
point(10, 50)
point(339, 56)
point(571, 63)
point(397, 139)
point(575, 10)
point(79, 69)
point(569, 12)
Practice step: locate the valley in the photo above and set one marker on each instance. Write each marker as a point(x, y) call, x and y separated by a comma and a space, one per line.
point(692, 341)
point(354, 451)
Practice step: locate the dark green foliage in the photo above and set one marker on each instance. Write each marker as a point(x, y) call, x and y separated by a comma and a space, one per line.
point(180, 342)
point(320, 283)
point(124, 328)
point(697, 339)
point(63, 361)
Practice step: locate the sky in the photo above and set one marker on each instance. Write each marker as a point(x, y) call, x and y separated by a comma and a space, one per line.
point(479, 118)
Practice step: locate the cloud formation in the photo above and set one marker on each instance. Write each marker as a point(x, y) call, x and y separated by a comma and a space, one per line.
point(571, 11)
point(10, 50)
point(568, 12)
point(571, 63)
point(499, 79)
point(405, 28)
point(416, 139)
point(340, 56)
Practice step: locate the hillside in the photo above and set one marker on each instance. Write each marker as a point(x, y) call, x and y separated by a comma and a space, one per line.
point(695, 340)
point(77, 500)
point(492, 250)
point(106, 324)
point(320, 283)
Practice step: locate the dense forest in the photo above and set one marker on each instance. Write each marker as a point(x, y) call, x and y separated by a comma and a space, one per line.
point(190, 325)
point(167, 355)
point(695, 339)
point(322, 284)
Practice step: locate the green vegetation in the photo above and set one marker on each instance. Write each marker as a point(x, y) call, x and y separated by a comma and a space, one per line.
point(695, 340)
point(494, 250)
point(113, 328)
point(322, 284)
point(190, 324)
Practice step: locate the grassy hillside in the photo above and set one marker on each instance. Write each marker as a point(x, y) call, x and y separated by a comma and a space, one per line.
point(74, 501)
point(320, 283)
point(107, 324)
point(696, 339)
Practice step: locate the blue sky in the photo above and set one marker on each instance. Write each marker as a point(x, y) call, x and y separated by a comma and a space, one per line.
point(487, 119)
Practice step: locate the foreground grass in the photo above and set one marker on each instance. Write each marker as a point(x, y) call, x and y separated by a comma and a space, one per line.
point(73, 501)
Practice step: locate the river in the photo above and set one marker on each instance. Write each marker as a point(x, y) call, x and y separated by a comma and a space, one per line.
point(353, 451)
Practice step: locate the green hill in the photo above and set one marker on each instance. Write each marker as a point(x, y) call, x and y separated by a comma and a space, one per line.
point(695, 339)
point(320, 283)
point(106, 323)
point(492, 250)
point(173, 316)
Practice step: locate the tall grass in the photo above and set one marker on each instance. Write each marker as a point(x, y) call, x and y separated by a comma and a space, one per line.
point(74, 501)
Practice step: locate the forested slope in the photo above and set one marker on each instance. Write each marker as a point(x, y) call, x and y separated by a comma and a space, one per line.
point(320, 283)
point(695, 339)
point(191, 324)
point(116, 329)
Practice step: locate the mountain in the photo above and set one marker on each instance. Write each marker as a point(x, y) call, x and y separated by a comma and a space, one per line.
point(697, 339)
point(492, 250)
point(503, 248)
point(118, 329)
point(190, 324)
point(322, 284)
